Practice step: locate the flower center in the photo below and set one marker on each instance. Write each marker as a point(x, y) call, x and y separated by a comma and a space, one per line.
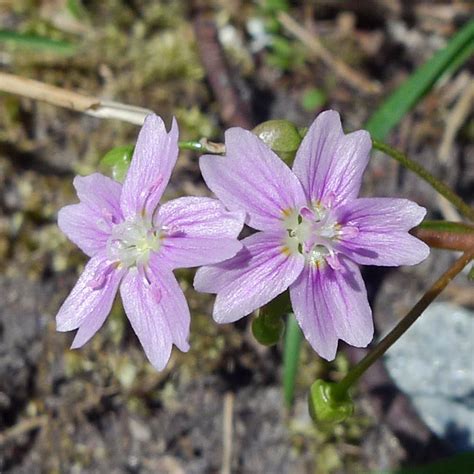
point(314, 233)
point(132, 241)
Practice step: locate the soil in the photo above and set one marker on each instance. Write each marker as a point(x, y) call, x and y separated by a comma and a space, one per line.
point(103, 408)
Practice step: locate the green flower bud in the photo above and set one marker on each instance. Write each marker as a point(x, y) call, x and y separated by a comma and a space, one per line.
point(327, 404)
point(281, 136)
point(117, 161)
point(268, 326)
point(268, 329)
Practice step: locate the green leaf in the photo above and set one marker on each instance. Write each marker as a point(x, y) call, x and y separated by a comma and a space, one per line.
point(291, 358)
point(313, 99)
point(462, 463)
point(36, 42)
point(77, 9)
point(470, 275)
point(117, 161)
point(400, 102)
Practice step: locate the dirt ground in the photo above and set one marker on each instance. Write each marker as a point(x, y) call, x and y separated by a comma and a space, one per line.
point(218, 408)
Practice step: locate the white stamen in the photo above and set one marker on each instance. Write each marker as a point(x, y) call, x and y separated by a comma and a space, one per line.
point(132, 242)
point(314, 232)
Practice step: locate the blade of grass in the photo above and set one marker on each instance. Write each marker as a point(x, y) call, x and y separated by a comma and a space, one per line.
point(291, 358)
point(393, 109)
point(36, 42)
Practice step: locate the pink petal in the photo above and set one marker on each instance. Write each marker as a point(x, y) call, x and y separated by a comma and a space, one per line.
point(252, 178)
point(100, 193)
point(256, 275)
point(383, 237)
point(153, 161)
point(158, 313)
point(331, 304)
point(91, 299)
point(88, 224)
point(312, 314)
point(330, 164)
point(200, 231)
point(345, 294)
point(84, 228)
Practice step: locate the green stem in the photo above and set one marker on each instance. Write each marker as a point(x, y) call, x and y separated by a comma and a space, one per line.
point(191, 145)
point(291, 357)
point(341, 388)
point(203, 146)
point(444, 190)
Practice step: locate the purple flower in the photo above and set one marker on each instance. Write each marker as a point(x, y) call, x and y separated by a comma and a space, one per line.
point(314, 232)
point(134, 243)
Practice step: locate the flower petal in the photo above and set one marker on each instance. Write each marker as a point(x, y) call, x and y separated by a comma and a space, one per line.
point(252, 178)
point(88, 224)
point(84, 228)
point(256, 275)
point(330, 164)
point(153, 161)
point(200, 231)
point(312, 314)
point(383, 237)
point(157, 312)
point(101, 194)
point(91, 298)
point(345, 295)
point(88, 328)
point(331, 304)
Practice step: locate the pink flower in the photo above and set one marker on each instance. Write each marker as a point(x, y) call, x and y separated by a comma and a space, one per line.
point(134, 244)
point(313, 232)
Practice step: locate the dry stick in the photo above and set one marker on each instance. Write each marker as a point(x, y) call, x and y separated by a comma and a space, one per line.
point(455, 120)
point(233, 109)
point(23, 427)
point(227, 433)
point(341, 69)
point(72, 100)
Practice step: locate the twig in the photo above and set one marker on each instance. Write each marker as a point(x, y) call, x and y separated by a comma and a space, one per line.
point(72, 100)
point(455, 120)
point(313, 43)
point(22, 427)
point(233, 109)
point(227, 433)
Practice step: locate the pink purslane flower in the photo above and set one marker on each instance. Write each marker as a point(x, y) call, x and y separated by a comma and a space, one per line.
point(314, 230)
point(134, 244)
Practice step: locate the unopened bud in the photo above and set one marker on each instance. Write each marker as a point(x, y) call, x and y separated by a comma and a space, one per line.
point(268, 326)
point(327, 404)
point(117, 161)
point(281, 136)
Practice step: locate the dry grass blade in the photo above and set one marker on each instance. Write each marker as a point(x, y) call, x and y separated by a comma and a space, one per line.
point(72, 100)
point(313, 43)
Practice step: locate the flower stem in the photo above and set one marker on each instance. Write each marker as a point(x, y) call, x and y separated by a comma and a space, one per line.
point(291, 358)
point(439, 186)
point(203, 146)
point(446, 235)
point(191, 145)
point(341, 388)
